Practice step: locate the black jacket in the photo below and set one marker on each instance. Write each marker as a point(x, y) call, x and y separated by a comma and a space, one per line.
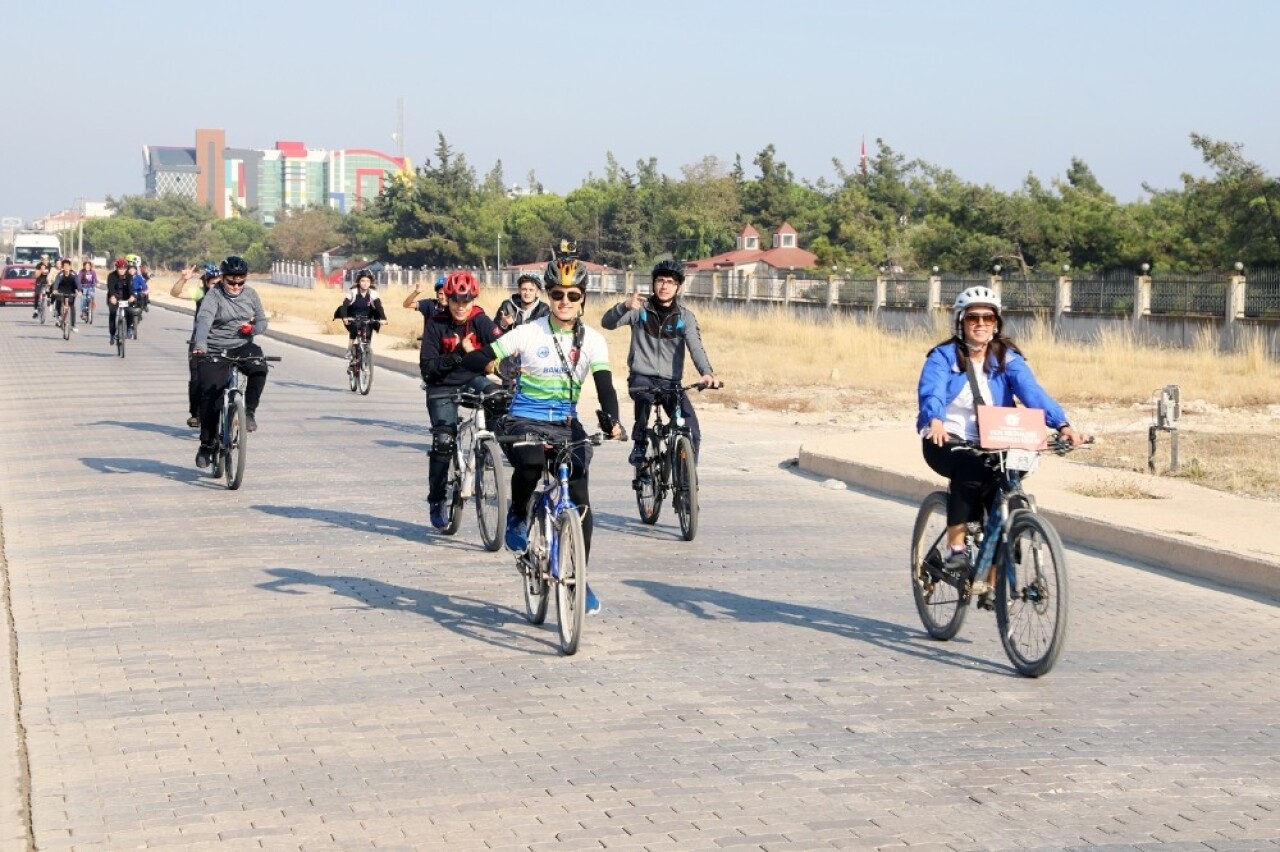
point(442, 350)
point(120, 285)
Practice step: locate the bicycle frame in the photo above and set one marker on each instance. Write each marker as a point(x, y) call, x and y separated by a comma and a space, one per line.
point(550, 500)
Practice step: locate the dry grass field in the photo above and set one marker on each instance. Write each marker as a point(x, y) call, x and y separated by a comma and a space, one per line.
point(853, 373)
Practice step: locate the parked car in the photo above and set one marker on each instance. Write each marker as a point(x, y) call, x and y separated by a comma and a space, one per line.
point(18, 284)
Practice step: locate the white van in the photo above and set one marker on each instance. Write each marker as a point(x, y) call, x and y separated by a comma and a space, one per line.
point(29, 248)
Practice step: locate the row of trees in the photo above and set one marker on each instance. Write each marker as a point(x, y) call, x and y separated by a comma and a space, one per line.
point(902, 212)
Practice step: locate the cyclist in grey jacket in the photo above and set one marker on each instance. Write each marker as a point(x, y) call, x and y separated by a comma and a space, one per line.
point(661, 330)
point(229, 315)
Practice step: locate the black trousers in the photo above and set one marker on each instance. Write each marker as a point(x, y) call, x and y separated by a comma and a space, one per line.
point(644, 405)
point(212, 377)
point(973, 483)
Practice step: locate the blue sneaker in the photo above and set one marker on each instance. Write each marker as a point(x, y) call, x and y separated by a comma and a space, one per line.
point(593, 602)
point(439, 519)
point(517, 537)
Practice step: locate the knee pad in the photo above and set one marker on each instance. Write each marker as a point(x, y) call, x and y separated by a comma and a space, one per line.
point(442, 442)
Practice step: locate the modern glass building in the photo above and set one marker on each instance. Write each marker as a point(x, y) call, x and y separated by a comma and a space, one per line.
point(260, 183)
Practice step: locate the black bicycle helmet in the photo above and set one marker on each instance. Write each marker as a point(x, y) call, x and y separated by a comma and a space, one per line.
point(529, 276)
point(235, 265)
point(674, 268)
point(364, 273)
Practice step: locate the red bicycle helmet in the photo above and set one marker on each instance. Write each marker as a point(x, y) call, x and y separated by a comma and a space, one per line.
point(461, 285)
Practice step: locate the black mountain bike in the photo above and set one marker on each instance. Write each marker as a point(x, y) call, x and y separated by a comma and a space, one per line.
point(670, 465)
point(124, 328)
point(1017, 566)
point(231, 444)
point(360, 359)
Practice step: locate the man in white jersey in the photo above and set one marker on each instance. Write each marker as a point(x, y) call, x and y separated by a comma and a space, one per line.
point(556, 353)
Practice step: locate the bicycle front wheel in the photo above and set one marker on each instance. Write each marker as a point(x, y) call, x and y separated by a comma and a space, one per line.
point(66, 322)
point(365, 379)
point(353, 371)
point(1032, 596)
point(940, 604)
point(684, 487)
point(122, 329)
point(236, 442)
point(571, 582)
point(648, 488)
point(43, 310)
point(453, 497)
point(533, 574)
point(490, 493)
point(89, 310)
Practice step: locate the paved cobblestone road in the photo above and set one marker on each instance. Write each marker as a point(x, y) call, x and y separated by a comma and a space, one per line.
point(305, 664)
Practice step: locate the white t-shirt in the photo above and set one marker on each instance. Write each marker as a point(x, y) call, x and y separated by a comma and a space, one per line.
point(545, 390)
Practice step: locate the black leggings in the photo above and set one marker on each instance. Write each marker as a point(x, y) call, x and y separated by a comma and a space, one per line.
point(527, 464)
point(973, 483)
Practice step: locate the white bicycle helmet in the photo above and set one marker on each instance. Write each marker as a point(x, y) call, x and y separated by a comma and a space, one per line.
point(979, 295)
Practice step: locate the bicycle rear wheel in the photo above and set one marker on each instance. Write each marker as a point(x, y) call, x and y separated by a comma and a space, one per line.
point(571, 584)
point(235, 442)
point(684, 487)
point(490, 493)
point(365, 379)
point(648, 488)
point(940, 604)
point(533, 574)
point(1032, 595)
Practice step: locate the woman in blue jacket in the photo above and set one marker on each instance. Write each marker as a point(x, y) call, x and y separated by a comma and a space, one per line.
point(948, 413)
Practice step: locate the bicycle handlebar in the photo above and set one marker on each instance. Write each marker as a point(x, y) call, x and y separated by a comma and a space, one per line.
point(233, 359)
point(1057, 445)
point(667, 390)
point(530, 439)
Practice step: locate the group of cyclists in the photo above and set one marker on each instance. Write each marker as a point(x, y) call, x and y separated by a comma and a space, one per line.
point(544, 353)
point(127, 282)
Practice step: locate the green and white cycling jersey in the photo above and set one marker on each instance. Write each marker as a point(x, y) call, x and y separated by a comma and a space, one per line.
point(545, 389)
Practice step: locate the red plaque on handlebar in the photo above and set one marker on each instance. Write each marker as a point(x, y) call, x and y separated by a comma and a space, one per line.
point(1001, 428)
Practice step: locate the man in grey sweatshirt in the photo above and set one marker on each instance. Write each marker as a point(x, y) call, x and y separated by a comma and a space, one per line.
point(661, 330)
point(229, 316)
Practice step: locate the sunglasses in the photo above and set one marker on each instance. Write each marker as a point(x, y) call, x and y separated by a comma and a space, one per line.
point(233, 280)
point(561, 295)
point(980, 318)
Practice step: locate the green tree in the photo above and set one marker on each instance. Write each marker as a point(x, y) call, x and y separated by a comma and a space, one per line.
point(303, 234)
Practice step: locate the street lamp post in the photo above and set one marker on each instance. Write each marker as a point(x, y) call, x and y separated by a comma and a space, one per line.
point(499, 264)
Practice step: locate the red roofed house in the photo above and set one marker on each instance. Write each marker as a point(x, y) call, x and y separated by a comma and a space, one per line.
point(785, 255)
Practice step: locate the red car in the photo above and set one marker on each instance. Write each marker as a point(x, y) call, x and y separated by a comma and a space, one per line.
point(18, 284)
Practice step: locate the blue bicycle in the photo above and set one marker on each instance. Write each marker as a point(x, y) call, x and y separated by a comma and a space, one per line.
point(556, 556)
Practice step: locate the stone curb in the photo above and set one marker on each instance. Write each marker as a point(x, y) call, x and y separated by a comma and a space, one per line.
point(1181, 557)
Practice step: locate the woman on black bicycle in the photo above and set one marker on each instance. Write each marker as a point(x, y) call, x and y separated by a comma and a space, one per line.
point(556, 354)
point(229, 315)
point(361, 302)
point(950, 391)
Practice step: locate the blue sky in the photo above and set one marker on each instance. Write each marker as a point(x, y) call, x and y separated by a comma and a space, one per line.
point(991, 90)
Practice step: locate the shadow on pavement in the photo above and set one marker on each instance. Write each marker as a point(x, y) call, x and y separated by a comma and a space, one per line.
point(713, 604)
point(403, 445)
point(359, 522)
point(140, 426)
point(396, 426)
point(634, 526)
point(482, 620)
point(80, 353)
point(153, 467)
point(312, 386)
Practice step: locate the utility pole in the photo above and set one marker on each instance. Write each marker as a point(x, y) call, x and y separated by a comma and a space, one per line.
point(400, 130)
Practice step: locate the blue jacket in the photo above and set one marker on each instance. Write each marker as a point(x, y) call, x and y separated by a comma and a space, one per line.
point(942, 380)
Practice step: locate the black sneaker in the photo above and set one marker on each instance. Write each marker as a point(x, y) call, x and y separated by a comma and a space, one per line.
point(193, 421)
point(250, 423)
point(637, 454)
point(204, 456)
